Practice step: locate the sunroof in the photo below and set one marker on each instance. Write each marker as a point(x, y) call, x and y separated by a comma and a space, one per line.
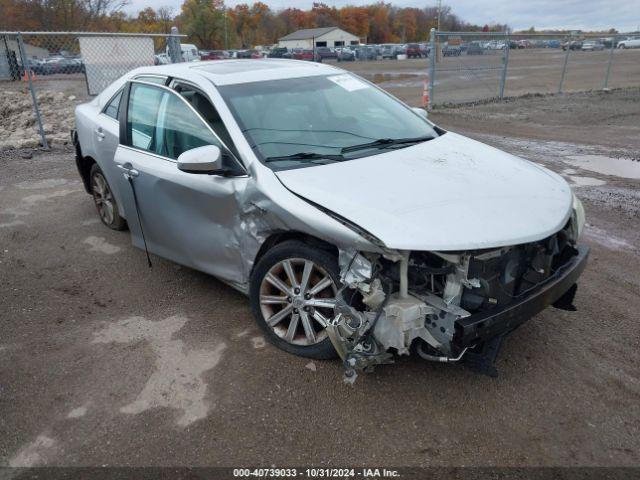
point(236, 66)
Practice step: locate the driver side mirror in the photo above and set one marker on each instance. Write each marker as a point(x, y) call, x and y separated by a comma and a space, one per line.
point(420, 111)
point(204, 160)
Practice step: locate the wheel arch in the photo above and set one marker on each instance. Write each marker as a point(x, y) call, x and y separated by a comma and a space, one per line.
point(277, 238)
point(84, 164)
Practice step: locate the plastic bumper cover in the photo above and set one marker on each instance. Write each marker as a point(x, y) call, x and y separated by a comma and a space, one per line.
point(479, 327)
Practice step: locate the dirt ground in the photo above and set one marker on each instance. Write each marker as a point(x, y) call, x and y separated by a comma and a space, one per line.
point(104, 361)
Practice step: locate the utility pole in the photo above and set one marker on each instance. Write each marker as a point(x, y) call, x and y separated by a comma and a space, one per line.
point(437, 52)
point(226, 37)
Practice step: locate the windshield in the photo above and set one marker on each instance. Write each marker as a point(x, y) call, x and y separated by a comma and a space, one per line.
point(308, 121)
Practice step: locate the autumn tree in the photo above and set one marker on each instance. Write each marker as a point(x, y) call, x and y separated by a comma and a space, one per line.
point(209, 24)
point(203, 21)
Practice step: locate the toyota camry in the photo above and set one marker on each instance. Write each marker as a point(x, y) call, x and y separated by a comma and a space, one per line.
point(355, 225)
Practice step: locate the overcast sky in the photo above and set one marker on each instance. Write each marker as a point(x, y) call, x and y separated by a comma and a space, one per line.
point(520, 14)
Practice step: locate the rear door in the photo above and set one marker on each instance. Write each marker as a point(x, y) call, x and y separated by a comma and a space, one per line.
point(189, 218)
point(106, 137)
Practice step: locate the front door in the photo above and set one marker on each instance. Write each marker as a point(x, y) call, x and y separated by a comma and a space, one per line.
point(188, 218)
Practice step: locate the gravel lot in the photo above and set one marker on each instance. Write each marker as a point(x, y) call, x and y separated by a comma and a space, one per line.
point(475, 77)
point(104, 361)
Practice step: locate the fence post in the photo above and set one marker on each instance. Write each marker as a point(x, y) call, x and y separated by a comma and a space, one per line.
point(173, 42)
point(505, 61)
point(566, 60)
point(432, 66)
point(27, 71)
point(606, 76)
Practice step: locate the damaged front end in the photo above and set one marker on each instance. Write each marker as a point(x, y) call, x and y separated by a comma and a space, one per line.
point(448, 306)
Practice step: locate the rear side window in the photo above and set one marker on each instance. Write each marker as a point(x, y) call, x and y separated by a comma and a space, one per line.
point(160, 122)
point(111, 110)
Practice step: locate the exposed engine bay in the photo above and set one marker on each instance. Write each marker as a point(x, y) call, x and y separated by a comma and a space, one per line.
point(401, 301)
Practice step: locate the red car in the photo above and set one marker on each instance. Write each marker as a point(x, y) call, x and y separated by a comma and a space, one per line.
point(213, 55)
point(248, 54)
point(414, 51)
point(303, 55)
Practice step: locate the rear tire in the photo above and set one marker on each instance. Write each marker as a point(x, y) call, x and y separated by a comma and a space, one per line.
point(292, 292)
point(104, 200)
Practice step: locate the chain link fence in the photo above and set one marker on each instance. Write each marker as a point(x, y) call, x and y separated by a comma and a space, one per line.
point(44, 75)
point(473, 66)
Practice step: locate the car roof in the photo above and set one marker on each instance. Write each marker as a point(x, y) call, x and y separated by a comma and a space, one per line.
point(230, 72)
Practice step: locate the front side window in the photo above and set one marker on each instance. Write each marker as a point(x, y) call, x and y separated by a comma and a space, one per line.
point(205, 108)
point(325, 118)
point(160, 122)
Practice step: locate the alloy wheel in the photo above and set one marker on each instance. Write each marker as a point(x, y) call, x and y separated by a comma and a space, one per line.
point(297, 298)
point(103, 197)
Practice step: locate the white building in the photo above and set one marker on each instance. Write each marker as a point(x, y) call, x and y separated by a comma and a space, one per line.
point(323, 37)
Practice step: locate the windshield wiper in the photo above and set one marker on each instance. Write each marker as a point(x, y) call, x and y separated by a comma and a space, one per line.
point(306, 156)
point(385, 142)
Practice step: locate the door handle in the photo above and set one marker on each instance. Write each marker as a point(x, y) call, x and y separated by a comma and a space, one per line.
point(128, 169)
point(99, 133)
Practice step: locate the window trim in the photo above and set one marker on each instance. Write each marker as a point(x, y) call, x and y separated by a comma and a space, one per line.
point(141, 77)
point(124, 113)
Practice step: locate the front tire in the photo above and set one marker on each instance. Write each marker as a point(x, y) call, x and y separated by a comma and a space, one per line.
point(104, 200)
point(293, 291)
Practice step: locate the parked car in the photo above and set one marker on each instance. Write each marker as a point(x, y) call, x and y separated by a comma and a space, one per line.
point(451, 51)
point(474, 48)
point(278, 52)
point(572, 45)
point(56, 65)
point(496, 45)
point(609, 42)
point(524, 44)
point(630, 42)
point(414, 50)
point(51, 65)
point(303, 54)
point(553, 44)
point(326, 53)
point(389, 52)
point(443, 244)
point(366, 53)
point(346, 55)
point(254, 54)
point(592, 45)
point(73, 65)
point(41, 66)
point(189, 52)
point(213, 55)
point(161, 59)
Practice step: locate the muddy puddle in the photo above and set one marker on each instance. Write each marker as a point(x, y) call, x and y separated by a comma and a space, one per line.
point(619, 167)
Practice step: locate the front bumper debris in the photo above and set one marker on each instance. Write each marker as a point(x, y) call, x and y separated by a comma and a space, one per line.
point(476, 328)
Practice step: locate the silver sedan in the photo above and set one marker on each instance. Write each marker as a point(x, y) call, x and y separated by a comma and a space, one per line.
point(355, 225)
